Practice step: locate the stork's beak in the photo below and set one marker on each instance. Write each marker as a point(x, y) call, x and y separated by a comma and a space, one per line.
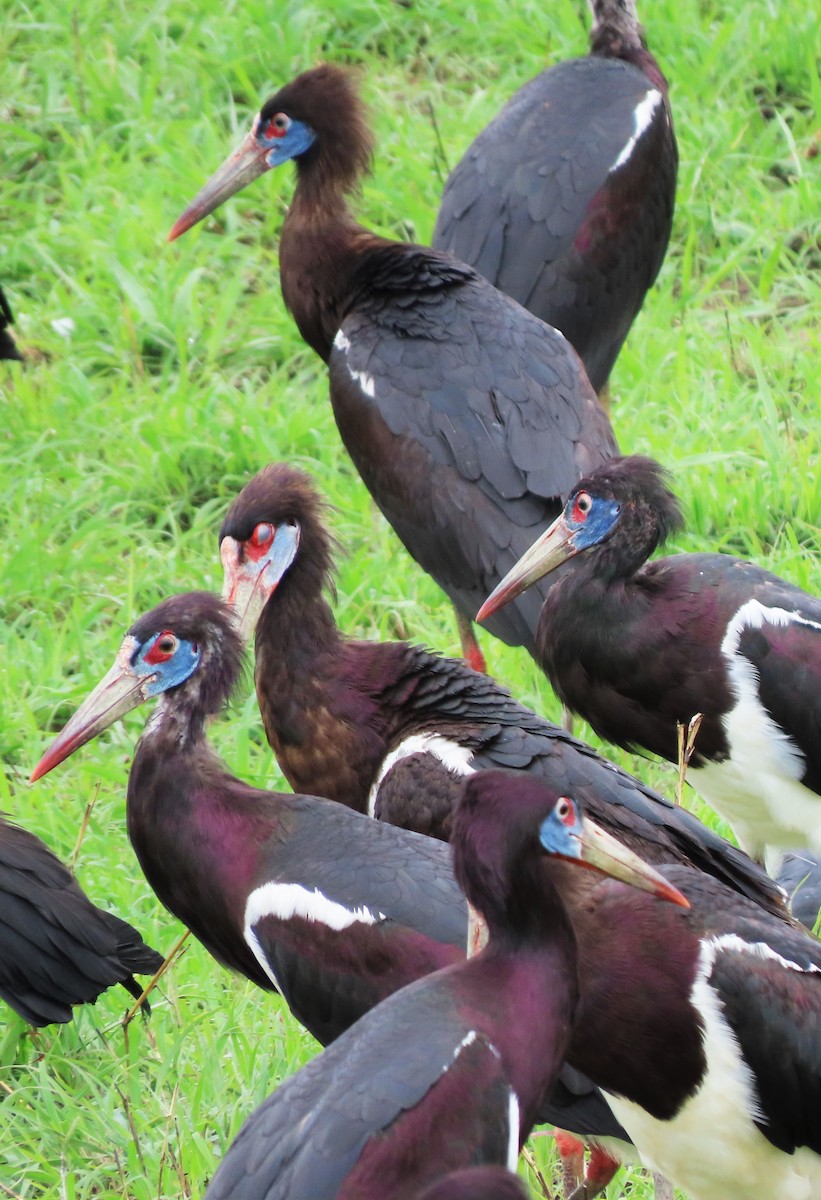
point(246, 164)
point(554, 547)
point(115, 695)
point(248, 584)
point(603, 853)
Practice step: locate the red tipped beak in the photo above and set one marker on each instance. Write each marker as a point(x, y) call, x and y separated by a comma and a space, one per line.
point(115, 695)
point(245, 164)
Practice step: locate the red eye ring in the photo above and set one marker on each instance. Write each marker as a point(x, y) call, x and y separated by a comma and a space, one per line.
point(582, 504)
point(263, 535)
point(566, 811)
point(165, 647)
point(277, 127)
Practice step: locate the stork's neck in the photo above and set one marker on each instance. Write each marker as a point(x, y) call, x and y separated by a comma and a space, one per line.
point(320, 247)
point(616, 33)
point(593, 613)
point(316, 696)
point(531, 970)
point(198, 834)
point(635, 988)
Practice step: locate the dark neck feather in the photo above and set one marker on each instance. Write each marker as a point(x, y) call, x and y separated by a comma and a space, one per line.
point(621, 1035)
point(589, 616)
point(502, 872)
point(616, 33)
point(321, 244)
point(316, 693)
point(198, 834)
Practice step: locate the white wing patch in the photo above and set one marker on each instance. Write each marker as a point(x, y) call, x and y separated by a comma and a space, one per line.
point(286, 900)
point(362, 378)
point(453, 756)
point(467, 1040)
point(731, 941)
point(513, 1119)
point(642, 120)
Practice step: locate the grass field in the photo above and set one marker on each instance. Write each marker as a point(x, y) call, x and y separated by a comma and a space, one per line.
point(126, 434)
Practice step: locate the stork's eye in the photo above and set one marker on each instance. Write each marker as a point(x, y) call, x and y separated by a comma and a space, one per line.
point(164, 647)
point(277, 127)
point(566, 811)
point(263, 535)
point(581, 506)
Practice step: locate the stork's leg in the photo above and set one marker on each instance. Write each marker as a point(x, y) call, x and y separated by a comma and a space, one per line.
point(571, 1153)
point(663, 1186)
point(601, 1167)
point(471, 653)
point(567, 719)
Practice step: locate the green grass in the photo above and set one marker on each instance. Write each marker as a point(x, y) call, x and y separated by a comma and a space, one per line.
point(122, 443)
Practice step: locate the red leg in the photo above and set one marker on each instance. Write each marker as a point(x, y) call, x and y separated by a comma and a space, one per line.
point(571, 1152)
point(601, 1167)
point(471, 653)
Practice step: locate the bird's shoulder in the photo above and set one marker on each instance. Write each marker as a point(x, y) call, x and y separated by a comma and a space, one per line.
point(345, 863)
point(306, 1137)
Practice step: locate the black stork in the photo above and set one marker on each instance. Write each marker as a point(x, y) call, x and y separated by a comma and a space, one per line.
point(8, 346)
point(638, 647)
point(451, 1071)
point(467, 418)
point(565, 201)
point(391, 728)
point(57, 949)
point(299, 894)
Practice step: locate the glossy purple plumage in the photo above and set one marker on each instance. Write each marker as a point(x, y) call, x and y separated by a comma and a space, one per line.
point(653, 1043)
point(228, 859)
point(450, 1071)
point(467, 417)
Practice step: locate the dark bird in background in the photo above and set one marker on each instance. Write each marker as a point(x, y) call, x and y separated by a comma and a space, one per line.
point(468, 419)
point(565, 201)
point(451, 1071)
point(638, 647)
point(8, 347)
point(391, 728)
point(333, 910)
point(57, 949)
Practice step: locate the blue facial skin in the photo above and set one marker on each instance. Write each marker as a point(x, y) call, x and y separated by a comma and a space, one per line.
point(298, 138)
point(173, 671)
point(599, 521)
point(559, 837)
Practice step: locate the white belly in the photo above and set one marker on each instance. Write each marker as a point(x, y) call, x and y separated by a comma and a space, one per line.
point(710, 1155)
point(712, 1148)
point(765, 807)
point(758, 789)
